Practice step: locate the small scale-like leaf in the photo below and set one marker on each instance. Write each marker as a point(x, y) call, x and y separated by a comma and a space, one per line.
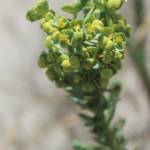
point(37, 11)
point(76, 7)
point(69, 9)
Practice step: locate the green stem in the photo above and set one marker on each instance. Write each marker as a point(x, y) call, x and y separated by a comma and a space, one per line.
point(88, 15)
point(103, 129)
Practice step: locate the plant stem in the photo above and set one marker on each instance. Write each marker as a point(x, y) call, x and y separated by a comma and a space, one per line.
point(102, 126)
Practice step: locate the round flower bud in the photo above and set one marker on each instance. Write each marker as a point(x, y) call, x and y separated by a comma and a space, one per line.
point(106, 73)
point(91, 29)
point(46, 26)
point(42, 62)
point(77, 37)
point(75, 62)
point(48, 16)
point(107, 43)
point(62, 22)
point(88, 87)
point(50, 57)
point(51, 74)
point(63, 57)
point(107, 57)
point(98, 22)
point(49, 42)
point(91, 49)
point(104, 83)
point(55, 36)
point(57, 68)
point(63, 38)
point(66, 66)
point(119, 39)
point(114, 4)
point(97, 13)
point(108, 30)
point(88, 63)
point(77, 79)
point(119, 55)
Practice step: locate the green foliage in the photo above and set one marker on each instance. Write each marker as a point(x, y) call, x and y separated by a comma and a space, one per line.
point(76, 7)
point(38, 10)
point(83, 55)
point(77, 145)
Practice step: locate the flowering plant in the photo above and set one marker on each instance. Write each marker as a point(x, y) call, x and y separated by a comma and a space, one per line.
point(84, 53)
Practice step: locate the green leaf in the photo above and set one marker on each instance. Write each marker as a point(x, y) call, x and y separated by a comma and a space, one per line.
point(76, 7)
point(77, 145)
point(69, 9)
point(119, 125)
point(38, 10)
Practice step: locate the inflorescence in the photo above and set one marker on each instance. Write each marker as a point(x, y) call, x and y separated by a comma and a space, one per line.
point(83, 52)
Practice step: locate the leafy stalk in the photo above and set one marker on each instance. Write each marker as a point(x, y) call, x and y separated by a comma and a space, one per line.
point(83, 55)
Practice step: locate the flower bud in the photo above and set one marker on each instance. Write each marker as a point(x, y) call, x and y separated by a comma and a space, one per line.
point(108, 43)
point(88, 87)
point(38, 10)
point(66, 66)
point(97, 13)
point(51, 74)
point(63, 57)
point(77, 37)
point(48, 16)
point(104, 83)
point(63, 38)
point(42, 62)
point(77, 79)
point(75, 62)
point(119, 55)
point(55, 36)
point(106, 73)
point(50, 57)
point(107, 57)
point(98, 22)
point(91, 49)
point(48, 42)
point(62, 22)
point(88, 63)
point(46, 26)
point(107, 30)
point(114, 4)
point(119, 39)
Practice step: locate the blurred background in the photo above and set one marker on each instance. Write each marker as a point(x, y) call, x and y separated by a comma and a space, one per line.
point(36, 115)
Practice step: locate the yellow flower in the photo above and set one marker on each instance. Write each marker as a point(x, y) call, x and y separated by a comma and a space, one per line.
point(66, 65)
point(77, 27)
point(47, 26)
point(55, 36)
point(62, 22)
point(91, 28)
point(119, 39)
point(98, 23)
point(48, 41)
point(63, 38)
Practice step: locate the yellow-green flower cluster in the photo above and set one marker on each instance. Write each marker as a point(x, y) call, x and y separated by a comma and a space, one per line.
point(84, 53)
